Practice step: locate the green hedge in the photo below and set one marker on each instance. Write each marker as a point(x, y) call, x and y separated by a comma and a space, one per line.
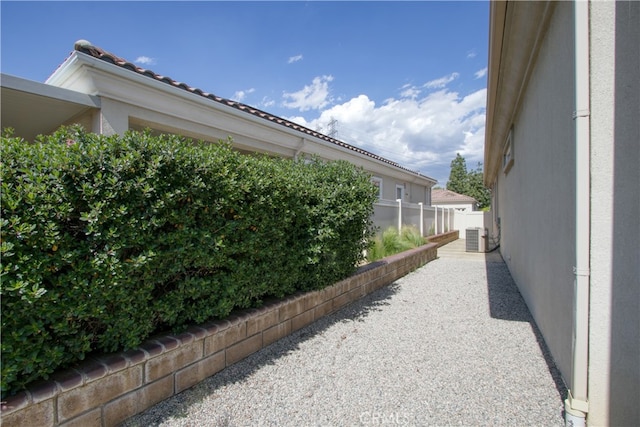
point(107, 240)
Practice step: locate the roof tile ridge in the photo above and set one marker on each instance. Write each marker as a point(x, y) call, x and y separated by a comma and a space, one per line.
point(88, 48)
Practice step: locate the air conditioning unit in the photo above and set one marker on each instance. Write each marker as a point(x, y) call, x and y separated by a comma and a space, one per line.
point(475, 239)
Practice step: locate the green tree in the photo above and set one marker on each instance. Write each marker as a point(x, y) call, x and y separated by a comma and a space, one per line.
point(469, 183)
point(458, 177)
point(477, 190)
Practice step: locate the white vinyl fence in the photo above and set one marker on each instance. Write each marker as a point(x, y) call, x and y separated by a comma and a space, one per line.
point(428, 219)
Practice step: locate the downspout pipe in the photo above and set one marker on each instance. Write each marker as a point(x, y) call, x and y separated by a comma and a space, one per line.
point(399, 215)
point(577, 402)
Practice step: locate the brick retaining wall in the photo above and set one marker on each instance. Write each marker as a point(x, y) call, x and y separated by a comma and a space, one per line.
point(444, 238)
point(107, 390)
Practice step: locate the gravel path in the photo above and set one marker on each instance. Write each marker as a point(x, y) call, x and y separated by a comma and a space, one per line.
point(449, 344)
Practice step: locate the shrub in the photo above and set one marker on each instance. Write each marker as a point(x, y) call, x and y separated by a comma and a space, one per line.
point(391, 242)
point(106, 240)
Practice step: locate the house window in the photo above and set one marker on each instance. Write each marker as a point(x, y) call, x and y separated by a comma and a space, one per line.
point(378, 183)
point(507, 153)
point(427, 197)
point(399, 191)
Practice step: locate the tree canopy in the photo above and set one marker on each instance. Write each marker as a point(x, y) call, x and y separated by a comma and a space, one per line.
point(469, 183)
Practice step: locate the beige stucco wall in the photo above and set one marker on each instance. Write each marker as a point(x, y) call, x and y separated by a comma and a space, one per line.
point(536, 197)
point(614, 350)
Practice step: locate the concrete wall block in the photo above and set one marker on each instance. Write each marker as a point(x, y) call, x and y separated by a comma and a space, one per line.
point(328, 293)
point(68, 379)
point(226, 337)
point(292, 307)
point(359, 280)
point(341, 287)
point(138, 400)
point(341, 301)
point(356, 293)
point(92, 418)
point(323, 309)
point(39, 414)
point(312, 299)
point(15, 403)
point(169, 362)
point(302, 320)
point(199, 371)
point(243, 349)
point(261, 320)
point(135, 356)
point(276, 332)
point(82, 399)
point(43, 391)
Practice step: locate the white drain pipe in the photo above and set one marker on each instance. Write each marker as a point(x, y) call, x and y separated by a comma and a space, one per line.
point(577, 402)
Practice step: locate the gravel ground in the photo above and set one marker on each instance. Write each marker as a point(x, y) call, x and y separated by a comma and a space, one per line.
point(449, 344)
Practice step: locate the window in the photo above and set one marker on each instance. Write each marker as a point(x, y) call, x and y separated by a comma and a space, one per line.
point(507, 153)
point(378, 183)
point(427, 197)
point(399, 191)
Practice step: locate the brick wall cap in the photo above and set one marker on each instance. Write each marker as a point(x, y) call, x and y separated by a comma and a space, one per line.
point(15, 402)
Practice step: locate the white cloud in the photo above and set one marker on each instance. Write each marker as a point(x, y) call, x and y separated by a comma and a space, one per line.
point(441, 82)
point(313, 96)
point(145, 60)
point(420, 133)
point(293, 59)
point(267, 102)
point(242, 94)
point(409, 91)
point(481, 73)
point(471, 54)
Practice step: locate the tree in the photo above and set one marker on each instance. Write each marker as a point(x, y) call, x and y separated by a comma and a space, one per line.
point(468, 183)
point(477, 190)
point(458, 177)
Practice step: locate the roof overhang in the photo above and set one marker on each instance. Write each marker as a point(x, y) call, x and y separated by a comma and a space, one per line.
point(85, 73)
point(516, 31)
point(32, 108)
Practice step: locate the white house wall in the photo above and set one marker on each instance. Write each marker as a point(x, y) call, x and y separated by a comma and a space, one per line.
point(536, 196)
point(614, 370)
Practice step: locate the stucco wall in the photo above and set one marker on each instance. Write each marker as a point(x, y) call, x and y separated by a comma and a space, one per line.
point(614, 370)
point(536, 197)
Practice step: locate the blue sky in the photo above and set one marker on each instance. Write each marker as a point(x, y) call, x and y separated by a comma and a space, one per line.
point(406, 80)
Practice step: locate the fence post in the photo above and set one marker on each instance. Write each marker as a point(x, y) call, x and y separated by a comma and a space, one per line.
point(435, 220)
point(399, 215)
point(443, 220)
point(421, 220)
point(450, 210)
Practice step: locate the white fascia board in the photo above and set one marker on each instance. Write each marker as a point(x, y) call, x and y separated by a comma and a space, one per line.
point(138, 90)
point(48, 91)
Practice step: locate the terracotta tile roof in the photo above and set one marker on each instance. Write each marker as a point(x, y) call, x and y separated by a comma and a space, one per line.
point(447, 196)
point(86, 47)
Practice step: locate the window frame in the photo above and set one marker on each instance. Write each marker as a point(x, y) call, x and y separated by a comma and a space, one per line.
point(377, 181)
point(401, 188)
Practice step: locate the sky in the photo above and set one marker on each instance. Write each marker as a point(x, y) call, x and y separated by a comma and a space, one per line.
point(404, 80)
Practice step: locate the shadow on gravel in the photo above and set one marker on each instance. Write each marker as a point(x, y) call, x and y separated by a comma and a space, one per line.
point(178, 405)
point(506, 303)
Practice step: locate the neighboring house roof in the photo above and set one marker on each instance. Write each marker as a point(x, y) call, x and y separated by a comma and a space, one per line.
point(86, 47)
point(447, 196)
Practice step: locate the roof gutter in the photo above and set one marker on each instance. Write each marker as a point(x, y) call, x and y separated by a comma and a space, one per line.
point(80, 57)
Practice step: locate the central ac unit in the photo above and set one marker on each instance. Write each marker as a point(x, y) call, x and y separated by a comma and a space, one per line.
point(474, 239)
